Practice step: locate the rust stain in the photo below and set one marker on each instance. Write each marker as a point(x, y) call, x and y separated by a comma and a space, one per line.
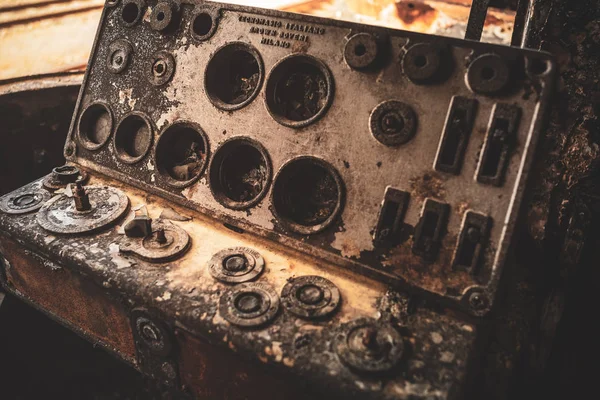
point(69, 297)
point(428, 185)
point(411, 12)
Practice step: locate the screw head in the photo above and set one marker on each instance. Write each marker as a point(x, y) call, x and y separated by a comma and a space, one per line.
point(478, 301)
point(392, 123)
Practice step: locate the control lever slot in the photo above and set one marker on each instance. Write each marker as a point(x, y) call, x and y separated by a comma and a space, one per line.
point(455, 138)
point(499, 142)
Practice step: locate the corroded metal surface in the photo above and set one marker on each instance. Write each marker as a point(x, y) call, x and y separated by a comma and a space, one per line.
point(333, 151)
point(61, 214)
point(186, 297)
point(24, 200)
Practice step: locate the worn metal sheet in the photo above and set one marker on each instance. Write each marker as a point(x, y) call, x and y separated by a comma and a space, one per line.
point(184, 295)
point(340, 135)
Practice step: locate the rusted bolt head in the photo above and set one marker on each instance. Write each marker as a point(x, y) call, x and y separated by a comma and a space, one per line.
point(149, 333)
point(392, 123)
point(161, 237)
point(478, 301)
point(369, 338)
point(66, 173)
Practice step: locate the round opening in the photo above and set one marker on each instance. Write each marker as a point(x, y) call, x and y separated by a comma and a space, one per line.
point(420, 61)
point(233, 76)
point(133, 138)
point(202, 24)
point(299, 90)
point(160, 68)
point(307, 195)
point(488, 73)
point(95, 126)
point(240, 173)
point(130, 13)
point(360, 50)
point(160, 16)
point(181, 153)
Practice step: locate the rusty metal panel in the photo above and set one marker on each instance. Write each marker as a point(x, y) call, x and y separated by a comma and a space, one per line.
point(68, 297)
point(308, 194)
point(337, 123)
point(185, 296)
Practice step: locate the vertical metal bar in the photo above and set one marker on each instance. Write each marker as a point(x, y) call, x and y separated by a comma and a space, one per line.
point(477, 19)
point(520, 22)
point(537, 17)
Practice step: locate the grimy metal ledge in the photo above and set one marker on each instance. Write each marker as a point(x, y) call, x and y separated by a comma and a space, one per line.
point(332, 201)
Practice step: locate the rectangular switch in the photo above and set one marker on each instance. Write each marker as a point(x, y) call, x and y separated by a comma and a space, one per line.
point(472, 241)
point(391, 217)
point(499, 143)
point(457, 130)
point(430, 229)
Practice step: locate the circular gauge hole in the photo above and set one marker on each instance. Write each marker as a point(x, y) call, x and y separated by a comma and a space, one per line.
point(487, 73)
point(240, 173)
point(130, 13)
point(307, 194)
point(133, 138)
point(360, 50)
point(202, 24)
point(181, 153)
point(160, 16)
point(95, 126)
point(299, 90)
point(233, 76)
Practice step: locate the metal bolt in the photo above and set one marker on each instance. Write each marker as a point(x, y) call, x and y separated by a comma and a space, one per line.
point(66, 174)
point(149, 333)
point(160, 236)
point(369, 339)
point(392, 123)
point(82, 200)
point(478, 301)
